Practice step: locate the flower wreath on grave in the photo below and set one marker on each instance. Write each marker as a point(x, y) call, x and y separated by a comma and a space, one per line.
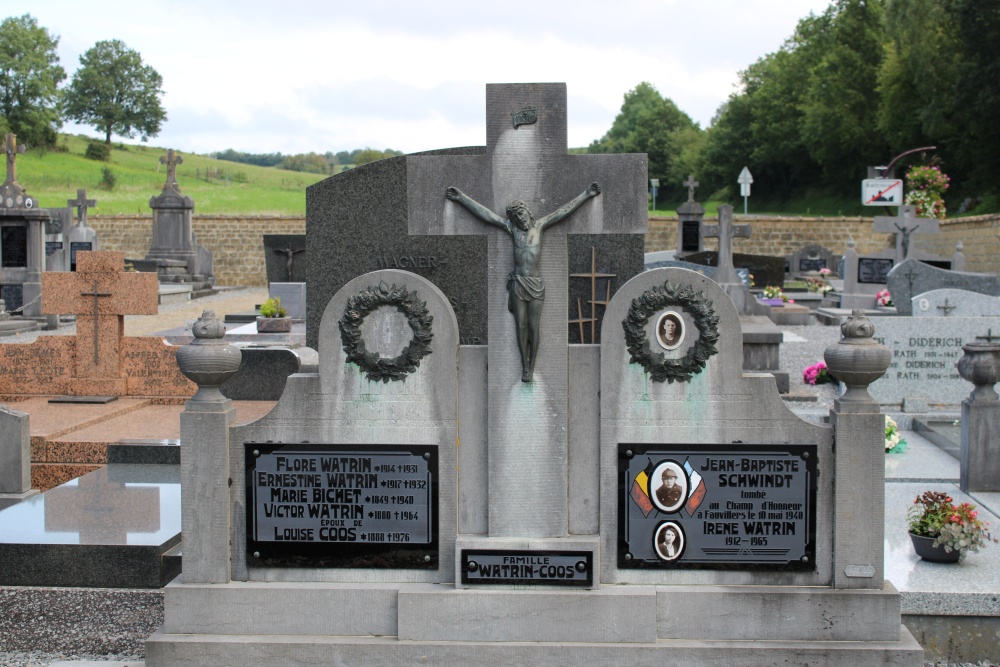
point(360, 306)
point(655, 299)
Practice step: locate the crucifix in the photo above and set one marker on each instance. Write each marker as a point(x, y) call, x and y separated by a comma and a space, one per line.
point(691, 184)
point(171, 159)
point(903, 226)
point(527, 163)
point(95, 294)
point(11, 148)
point(291, 258)
point(725, 230)
point(946, 307)
point(82, 204)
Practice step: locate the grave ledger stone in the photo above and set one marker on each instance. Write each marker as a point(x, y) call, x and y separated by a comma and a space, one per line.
point(356, 526)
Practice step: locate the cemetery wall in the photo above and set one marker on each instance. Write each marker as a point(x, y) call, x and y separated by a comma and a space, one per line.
point(980, 236)
point(236, 242)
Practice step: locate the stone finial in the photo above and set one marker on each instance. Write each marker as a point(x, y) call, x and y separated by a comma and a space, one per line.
point(857, 359)
point(981, 366)
point(208, 360)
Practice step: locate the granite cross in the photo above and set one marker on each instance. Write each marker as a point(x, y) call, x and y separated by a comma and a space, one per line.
point(95, 294)
point(527, 420)
point(82, 204)
point(11, 148)
point(171, 159)
point(691, 184)
point(725, 230)
point(903, 225)
point(946, 307)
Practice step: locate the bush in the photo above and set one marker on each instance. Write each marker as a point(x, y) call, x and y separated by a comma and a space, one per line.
point(273, 308)
point(108, 179)
point(99, 151)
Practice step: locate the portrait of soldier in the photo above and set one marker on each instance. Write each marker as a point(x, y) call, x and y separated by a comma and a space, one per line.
point(524, 284)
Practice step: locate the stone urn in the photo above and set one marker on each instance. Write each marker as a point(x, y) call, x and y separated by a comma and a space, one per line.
point(981, 366)
point(857, 359)
point(208, 360)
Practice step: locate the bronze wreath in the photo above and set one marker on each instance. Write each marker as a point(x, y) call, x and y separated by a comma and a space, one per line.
point(656, 364)
point(383, 368)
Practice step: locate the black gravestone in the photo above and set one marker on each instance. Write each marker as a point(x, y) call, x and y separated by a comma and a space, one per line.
point(13, 246)
point(874, 270)
point(286, 258)
point(75, 247)
point(766, 270)
point(690, 235)
point(13, 296)
point(52, 247)
point(812, 264)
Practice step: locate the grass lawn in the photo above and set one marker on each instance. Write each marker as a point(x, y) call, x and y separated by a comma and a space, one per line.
point(216, 186)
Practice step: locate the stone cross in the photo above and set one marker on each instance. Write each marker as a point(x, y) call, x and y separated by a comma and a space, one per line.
point(11, 148)
point(171, 159)
point(725, 230)
point(82, 204)
point(989, 337)
point(946, 307)
point(903, 225)
point(527, 429)
point(100, 315)
point(691, 184)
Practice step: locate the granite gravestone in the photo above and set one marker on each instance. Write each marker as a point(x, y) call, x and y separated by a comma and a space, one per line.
point(690, 218)
point(766, 270)
point(22, 240)
point(60, 221)
point(15, 457)
point(81, 236)
point(864, 277)
point(334, 547)
point(954, 303)
point(810, 259)
point(914, 277)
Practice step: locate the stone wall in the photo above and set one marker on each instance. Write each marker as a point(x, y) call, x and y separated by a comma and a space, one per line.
point(236, 242)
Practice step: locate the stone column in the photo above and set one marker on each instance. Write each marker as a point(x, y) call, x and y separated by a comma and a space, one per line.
point(979, 463)
point(859, 481)
point(205, 483)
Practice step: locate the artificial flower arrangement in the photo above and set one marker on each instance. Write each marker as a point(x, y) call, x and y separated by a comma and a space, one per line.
point(883, 298)
point(894, 442)
point(818, 285)
point(816, 374)
point(953, 527)
point(925, 191)
point(772, 292)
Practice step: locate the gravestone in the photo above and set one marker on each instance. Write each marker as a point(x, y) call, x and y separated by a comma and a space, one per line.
point(925, 351)
point(914, 277)
point(810, 259)
point(81, 237)
point(954, 303)
point(651, 262)
point(285, 258)
point(15, 457)
point(904, 226)
point(690, 218)
point(766, 270)
point(60, 221)
point(293, 298)
point(395, 543)
point(22, 240)
point(864, 277)
point(179, 257)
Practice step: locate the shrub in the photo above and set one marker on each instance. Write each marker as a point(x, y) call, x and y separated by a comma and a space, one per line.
point(273, 308)
point(108, 179)
point(99, 151)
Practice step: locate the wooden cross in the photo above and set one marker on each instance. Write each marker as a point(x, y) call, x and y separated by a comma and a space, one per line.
point(902, 226)
point(82, 204)
point(691, 184)
point(594, 276)
point(11, 148)
point(171, 159)
point(580, 319)
point(946, 308)
point(725, 230)
point(95, 294)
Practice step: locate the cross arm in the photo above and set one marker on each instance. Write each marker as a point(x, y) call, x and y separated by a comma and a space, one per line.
point(742, 231)
point(567, 209)
point(477, 209)
point(709, 230)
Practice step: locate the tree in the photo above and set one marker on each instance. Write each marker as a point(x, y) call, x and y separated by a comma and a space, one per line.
point(29, 79)
point(115, 93)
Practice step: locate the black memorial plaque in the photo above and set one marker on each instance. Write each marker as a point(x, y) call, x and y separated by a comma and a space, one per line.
point(874, 270)
point(52, 247)
point(812, 263)
point(527, 568)
point(13, 246)
point(343, 506)
point(690, 236)
point(746, 507)
point(75, 247)
point(13, 297)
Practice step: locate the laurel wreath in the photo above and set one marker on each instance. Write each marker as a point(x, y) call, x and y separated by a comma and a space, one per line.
point(374, 365)
point(655, 299)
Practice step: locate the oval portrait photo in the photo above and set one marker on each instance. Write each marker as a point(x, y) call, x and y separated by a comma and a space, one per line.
point(668, 486)
point(668, 541)
point(670, 330)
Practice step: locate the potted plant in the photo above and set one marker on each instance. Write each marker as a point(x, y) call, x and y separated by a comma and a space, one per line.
point(943, 532)
point(273, 317)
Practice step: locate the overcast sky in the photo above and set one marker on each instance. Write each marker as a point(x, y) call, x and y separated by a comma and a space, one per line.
point(294, 76)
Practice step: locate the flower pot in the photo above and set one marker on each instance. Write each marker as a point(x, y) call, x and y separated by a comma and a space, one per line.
point(274, 324)
point(924, 546)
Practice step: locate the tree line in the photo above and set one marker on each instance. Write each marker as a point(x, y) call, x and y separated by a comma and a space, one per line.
point(112, 91)
point(315, 163)
point(853, 87)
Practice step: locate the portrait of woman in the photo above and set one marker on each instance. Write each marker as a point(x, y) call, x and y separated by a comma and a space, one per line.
point(670, 330)
point(668, 486)
point(668, 540)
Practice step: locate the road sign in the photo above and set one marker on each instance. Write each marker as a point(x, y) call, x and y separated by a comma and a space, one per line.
point(882, 192)
point(745, 179)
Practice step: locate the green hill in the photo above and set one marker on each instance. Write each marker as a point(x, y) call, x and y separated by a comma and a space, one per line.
point(216, 186)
